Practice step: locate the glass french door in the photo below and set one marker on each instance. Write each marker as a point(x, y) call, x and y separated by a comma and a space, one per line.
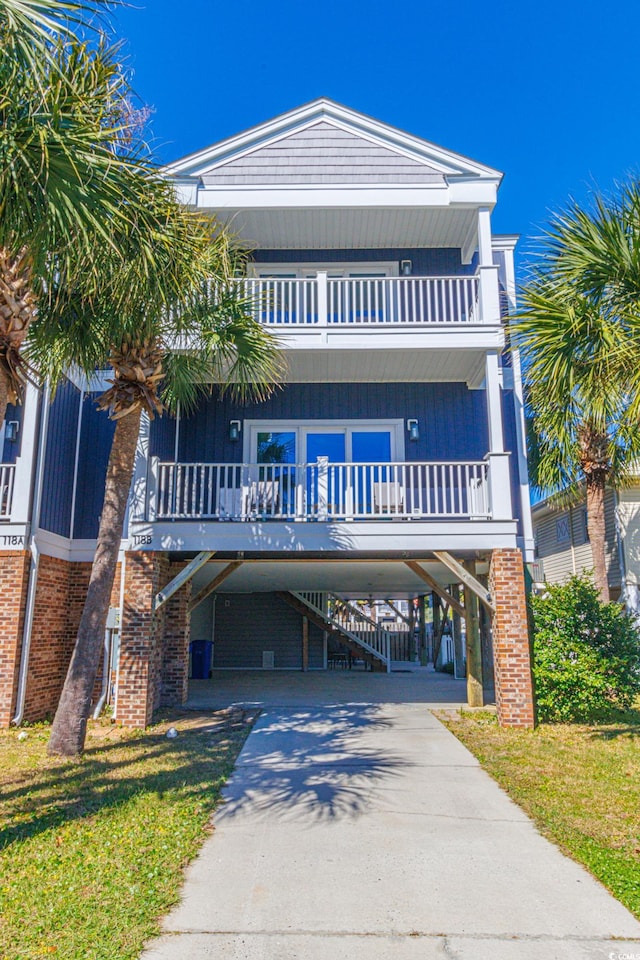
point(343, 469)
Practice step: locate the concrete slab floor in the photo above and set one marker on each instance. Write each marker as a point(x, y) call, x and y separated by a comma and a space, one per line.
point(360, 830)
point(294, 688)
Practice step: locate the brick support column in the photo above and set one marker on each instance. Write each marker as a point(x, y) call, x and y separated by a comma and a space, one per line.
point(139, 675)
point(14, 580)
point(177, 632)
point(512, 661)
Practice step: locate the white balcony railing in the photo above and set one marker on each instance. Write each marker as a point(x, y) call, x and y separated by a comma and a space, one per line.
point(7, 481)
point(386, 301)
point(321, 491)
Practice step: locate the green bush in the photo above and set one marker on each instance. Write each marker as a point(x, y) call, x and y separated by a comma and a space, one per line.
point(586, 654)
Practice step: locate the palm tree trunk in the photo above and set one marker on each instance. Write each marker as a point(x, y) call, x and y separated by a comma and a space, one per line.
point(4, 397)
point(70, 722)
point(597, 534)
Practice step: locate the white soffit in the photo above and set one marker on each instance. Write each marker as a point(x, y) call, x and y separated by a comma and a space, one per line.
point(385, 366)
point(348, 228)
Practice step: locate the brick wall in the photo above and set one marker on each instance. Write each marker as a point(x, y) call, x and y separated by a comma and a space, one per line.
point(60, 593)
point(14, 579)
point(512, 661)
point(141, 630)
point(177, 633)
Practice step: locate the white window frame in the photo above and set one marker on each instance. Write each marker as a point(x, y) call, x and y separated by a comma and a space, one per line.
point(389, 268)
point(251, 428)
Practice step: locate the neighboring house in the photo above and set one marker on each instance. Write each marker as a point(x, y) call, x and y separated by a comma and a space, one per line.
point(562, 546)
point(394, 453)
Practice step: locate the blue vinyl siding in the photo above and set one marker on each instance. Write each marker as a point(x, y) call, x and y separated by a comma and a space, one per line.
point(57, 492)
point(248, 623)
point(453, 422)
point(426, 261)
point(95, 445)
point(11, 448)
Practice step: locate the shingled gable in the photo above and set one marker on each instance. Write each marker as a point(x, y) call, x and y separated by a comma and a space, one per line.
point(326, 143)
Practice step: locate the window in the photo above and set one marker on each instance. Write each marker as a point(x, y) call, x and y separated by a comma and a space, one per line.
point(563, 531)
point(355, 441)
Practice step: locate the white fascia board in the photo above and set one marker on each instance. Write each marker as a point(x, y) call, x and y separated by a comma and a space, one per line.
point(505, 241)
point(186, 189)
point(344, 538)
point(322, 197)
point(446, 161)
point(342, 196)
point(472, 337)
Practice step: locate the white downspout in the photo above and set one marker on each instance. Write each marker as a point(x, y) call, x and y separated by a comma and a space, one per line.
point(35, 557)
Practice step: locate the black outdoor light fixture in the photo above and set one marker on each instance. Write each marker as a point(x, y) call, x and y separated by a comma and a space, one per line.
point(11, 430)
point(414, 430)
point(234, 429)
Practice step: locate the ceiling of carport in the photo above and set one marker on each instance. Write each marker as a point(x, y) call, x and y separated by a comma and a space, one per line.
point(350, 578)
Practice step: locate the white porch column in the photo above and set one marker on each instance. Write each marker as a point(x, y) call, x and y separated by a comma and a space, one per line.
point(141, 482)
point(499, 479)
point(487, 271)
point(25, 463)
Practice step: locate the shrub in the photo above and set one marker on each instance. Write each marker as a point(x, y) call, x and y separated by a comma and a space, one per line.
point(586, 654)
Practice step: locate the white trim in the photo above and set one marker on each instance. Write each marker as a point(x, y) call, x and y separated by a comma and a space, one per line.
point(344, 538)
point(301, 270)
point(368, 196)
point(446, 161)
point(251, 428)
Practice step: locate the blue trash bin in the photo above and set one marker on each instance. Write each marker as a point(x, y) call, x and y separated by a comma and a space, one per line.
point(200, 659)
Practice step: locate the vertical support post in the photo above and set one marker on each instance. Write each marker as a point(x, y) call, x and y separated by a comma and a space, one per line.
point(140, 482)
point(458, 652)
point(494, 402)
point(435, 606)
point(488, 272)
point(305, 644)
point(323, 488)
point(475, 695)
point(323, 300)
point(25, 463)
point(422, 652)
point(499, 479)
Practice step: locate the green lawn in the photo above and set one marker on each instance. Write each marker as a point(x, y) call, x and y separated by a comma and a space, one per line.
point(92, 850)
point(580, 784)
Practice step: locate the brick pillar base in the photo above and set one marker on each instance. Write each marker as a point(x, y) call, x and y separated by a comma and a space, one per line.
point(138, 690)
point(174, 685)
point(14, 580)
point(512, 661)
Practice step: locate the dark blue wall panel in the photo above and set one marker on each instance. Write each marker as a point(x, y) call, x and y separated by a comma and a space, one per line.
point(11, 448)
point(426, 261)
point(57, 490)
point(248, 623)
point(453, 423)
point(95, 445)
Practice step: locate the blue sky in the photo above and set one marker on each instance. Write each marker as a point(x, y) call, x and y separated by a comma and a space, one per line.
point(546, 92)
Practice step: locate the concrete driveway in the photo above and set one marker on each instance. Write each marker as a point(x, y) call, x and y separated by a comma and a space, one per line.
point(359, 830)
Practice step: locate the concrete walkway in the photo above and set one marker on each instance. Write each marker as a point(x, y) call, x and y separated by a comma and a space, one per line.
point(368, 831)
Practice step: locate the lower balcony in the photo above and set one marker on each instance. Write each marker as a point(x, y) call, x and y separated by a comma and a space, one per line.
point(319, 491)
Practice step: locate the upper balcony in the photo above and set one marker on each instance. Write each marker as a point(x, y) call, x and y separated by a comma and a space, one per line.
point(381, 302)
point(381, 328)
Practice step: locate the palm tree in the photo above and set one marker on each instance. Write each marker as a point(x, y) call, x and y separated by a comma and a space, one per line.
point(576, 359)
point(68, 164)
point(169, 325)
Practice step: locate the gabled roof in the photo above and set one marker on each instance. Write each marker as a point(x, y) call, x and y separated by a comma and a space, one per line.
point(324, 142)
